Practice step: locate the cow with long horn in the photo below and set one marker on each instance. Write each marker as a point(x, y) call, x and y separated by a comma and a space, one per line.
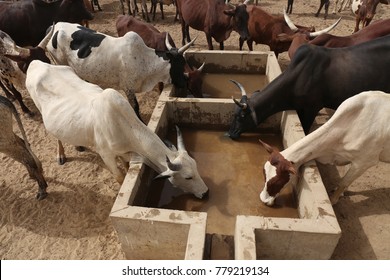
point(276, 32)
point(123, 63)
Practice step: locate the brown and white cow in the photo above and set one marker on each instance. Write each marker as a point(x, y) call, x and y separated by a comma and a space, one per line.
point(365, 11)
point(357, 134)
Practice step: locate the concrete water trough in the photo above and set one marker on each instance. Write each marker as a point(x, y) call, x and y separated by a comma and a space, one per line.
point(157, 221)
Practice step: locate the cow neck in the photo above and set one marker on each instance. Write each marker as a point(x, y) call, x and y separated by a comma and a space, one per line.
point(303, 150)
point(276, 97)
point(153, 149)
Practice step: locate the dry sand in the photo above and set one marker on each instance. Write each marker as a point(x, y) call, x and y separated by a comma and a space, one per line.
point(73, 221)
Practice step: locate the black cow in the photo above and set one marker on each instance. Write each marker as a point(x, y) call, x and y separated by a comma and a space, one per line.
point(317, 78)
point(26, 21)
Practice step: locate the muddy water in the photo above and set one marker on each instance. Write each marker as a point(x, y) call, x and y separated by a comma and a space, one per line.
point(216, 85)
point(233, 171)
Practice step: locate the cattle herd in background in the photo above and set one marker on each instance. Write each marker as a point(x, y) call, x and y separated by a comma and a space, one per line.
point(67, 67)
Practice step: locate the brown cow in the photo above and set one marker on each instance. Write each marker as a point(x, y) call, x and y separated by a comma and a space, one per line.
point(216, 18)
point(365, 11)
point(377, 29)
point(155, 39)
point(273, 31)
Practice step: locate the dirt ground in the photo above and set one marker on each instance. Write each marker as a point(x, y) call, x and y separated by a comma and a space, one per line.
point(73, 222)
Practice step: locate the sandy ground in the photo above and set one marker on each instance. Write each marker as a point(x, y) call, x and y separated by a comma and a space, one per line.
point(73, 222)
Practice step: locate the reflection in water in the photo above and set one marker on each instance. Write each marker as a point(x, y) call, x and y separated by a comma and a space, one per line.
point(233, 172)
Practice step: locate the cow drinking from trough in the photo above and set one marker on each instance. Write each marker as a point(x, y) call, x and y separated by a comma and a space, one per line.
point(17, 148)
point(317, 77)
point(123, 63)
point(215, 18)
point(155, 39)
point(276, 32)
point(83, 114)
point(357, 134)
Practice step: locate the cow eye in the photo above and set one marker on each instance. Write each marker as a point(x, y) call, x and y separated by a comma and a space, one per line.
point(188, 178)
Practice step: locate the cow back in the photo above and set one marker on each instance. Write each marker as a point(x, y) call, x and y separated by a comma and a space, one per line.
point(27, 21)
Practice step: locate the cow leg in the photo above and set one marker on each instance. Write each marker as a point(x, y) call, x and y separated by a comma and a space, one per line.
point(162, 10)
point(249, 42)
point(96, 2)
point(110, 162)
point(145, 13)
point(209, 42)
point(320, 8)
point(17, 95)
point(133, 102)
point(240, 43)
point(326, 9)
point(221, 46)
point(357, 25)
point(20, 153)
point(61, 158)
point(355, 170)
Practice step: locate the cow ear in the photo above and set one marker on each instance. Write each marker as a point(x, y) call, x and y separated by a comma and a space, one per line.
point(292, 170)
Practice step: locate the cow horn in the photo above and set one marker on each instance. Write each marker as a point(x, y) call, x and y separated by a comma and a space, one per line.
point(243, 92)
point(326, 30)
point(47, 38)
point(239, 104)
point(201, 67)
point(246, 2)
point(187, 46)
point(172, 166)
point(167, 44)
point(180, 141)
point(7, 45)
point(289, 22)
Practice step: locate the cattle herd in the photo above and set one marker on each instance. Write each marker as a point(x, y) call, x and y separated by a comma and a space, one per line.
point(73, 75)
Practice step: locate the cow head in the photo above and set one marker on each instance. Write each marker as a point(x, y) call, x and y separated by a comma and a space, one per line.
point(73, 11)
point(244, 115)
point(195, 80)
point(182, 171)
point(177, 61)
point(25, 56)
point(239, 19)
point(277, 171)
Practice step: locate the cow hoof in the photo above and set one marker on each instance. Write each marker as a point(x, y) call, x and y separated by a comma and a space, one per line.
point(29, 114)
point(80, 148)
point(41, 196)
point(61, 160)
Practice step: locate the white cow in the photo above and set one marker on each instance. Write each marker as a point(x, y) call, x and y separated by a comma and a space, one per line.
point(357, 134)
point(83, 114)
point(123, 63)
